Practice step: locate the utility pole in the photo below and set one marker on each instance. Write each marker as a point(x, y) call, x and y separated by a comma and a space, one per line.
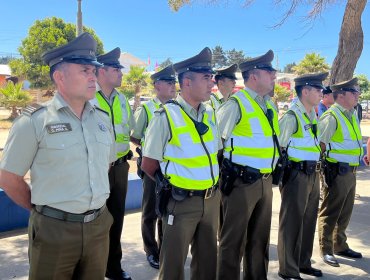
point(79, 19)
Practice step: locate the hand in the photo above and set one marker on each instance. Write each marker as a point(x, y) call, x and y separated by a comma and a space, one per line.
point(366, 160)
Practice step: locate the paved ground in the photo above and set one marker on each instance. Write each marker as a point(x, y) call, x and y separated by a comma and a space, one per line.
point(14, 263)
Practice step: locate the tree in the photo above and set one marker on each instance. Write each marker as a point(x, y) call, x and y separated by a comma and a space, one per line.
point(289, 67)
point(13, 97)
point(165, 63)
point(44, 35)
point(311, 63)
point(5, 59)
point(351, 37)
point(234, 56)
point(281, 94)
point(136, 80)
point(364, 85)
point(219, 58)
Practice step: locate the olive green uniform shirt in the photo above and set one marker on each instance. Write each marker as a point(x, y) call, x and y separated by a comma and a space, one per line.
point(141, 121)
point(228, 115)
point(158, 132)
point(288, 123)
point(328, 123)
point(68, 157)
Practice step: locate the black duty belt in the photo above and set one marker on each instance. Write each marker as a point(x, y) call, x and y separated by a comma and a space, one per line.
point(308, 166)
point(180, 194)
point(341, 167)
point(250, 174)
point(86, 217)
point(123, 159)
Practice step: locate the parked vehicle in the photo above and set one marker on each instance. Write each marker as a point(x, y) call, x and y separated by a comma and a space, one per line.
point(283, 105)
point(365, 105)
point(131, 101)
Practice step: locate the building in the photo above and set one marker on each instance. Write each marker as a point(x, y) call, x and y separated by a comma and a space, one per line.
point(5, 72)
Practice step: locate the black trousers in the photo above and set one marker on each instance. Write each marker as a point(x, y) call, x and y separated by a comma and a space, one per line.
point(118, 177)
point(149, 219)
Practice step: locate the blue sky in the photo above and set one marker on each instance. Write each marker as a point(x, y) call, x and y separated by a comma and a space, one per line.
point(150, 28)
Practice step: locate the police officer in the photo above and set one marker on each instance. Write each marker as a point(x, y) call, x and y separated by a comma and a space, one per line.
point(300, 188)
point(182, 142)
point(326, 102)
point(225, 80)
point(68, 145)
point(118, 108)
point(248, 123)
point(342, 141)
point(164, 82)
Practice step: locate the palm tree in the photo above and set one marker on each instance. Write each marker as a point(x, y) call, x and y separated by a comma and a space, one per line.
point(136, 79)
point(13, 97)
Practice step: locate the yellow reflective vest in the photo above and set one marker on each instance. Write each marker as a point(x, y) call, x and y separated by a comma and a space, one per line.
point(190, 159)
point(346, 143)
point(303, 144)
point(120, 115)
point(150, 107)
point(251, 142)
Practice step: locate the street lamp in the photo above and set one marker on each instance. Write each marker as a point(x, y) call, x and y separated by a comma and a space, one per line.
point(79, 19)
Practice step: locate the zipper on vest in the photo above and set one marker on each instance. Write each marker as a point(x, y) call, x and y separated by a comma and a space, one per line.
point(209, 159)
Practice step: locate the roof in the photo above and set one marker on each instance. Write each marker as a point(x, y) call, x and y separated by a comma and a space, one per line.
point(127, 59)
point(5, 70)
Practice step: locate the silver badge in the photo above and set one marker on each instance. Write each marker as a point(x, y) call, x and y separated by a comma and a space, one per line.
point(102, 127)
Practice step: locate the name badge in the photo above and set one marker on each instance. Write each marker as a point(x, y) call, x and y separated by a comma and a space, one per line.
point(58, 127)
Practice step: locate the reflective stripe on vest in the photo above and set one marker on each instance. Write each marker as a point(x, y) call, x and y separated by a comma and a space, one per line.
point(346, 143)
point(150, 107)
point(251, 142)
point(119, 113)
point(190, 160)
point(303, 145)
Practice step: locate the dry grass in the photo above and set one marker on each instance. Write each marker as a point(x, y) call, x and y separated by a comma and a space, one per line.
point(5, 122)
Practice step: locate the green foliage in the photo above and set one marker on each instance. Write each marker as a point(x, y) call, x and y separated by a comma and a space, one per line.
point(234, 56)
point(289, 67)
point(12, 97)
point(311, 63)
point(138, 82)
point(219, 58)
point(177, 4)
point(281, 94)
point(44, 35)
point(165, 63)
point(5, 59)
point(364, 84)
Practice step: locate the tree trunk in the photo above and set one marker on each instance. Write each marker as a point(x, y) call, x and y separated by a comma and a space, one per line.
point(351, 41)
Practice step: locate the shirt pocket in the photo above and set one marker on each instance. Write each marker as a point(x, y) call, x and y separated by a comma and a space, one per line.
point(104, 144)
point(62, 148)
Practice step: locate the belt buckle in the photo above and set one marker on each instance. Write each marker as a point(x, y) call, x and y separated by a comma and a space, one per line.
point(209, 193)
point(265, 176)
point(318, 166)
point(90, 217)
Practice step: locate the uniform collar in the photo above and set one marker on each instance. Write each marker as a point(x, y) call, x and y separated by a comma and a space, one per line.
point(255, 95)
point(311, 115)
point(59, 103)
point(188, 108)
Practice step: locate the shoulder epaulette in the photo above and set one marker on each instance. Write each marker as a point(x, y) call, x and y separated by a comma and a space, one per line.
point(32, 108)
point(101, 110)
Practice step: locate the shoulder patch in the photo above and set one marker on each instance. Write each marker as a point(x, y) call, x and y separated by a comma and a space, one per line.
point(32, 108)
point(101, 110)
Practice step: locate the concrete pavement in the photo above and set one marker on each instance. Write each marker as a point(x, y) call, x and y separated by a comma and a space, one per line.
point(14, 262)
